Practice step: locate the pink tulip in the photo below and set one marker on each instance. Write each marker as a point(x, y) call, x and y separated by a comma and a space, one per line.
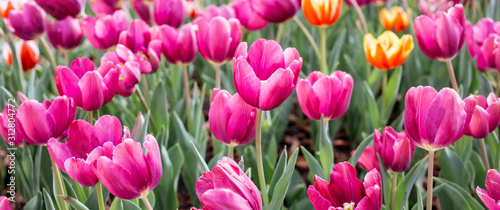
point(138, 173)
point(39, 122)
point(435, 120)
point(106, 7)
point(395, 149)
point(65, 34)
point(441, 35)
point(491, 196)
point(104, 31)
point(325, 95)
point(73, 157)
point(8, 123)
point(179, 47)
point(266, 75)
point(480, 44)
point(4, 203)
point(28, 23)
point(137, 37)
point(428, 7)
point(122, 54)
point(127, 64)
point(61, 9)
point(141, 7)
point(247, 16)
point(90, 88)
point(212, 11)
point(218, 38)
point(346, 191)
point(366, 2)
point(232, 121)
point(486, 116)
point(368, 159)
point(276, 11)
point(227, 187)
point(170, 12)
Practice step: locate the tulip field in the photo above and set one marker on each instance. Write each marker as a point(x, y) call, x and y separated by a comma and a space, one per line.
point(250, 104)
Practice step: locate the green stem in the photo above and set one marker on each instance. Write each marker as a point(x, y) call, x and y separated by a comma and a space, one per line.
point(430, 179)
point(60, 187)
point(217, 75)
point(484, 154)
point(449, 66)
point(100, 199)
point(187, 92)
point(90, 117)
point(49, 52)
point(146, 107)
point(260, 165)
point(309, 37)
point(146, 203)
point(394, 179)
point(230, 151)
point(384, 93)
point(145, 87)
point(324, 66)
point(279, 32)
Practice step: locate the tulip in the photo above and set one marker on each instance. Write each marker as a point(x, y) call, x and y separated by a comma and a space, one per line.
point(395, 18)
point(276, 11)
point(8, 120)
point(106, 7)
point(218, 38)
point(137, 37)
point(122, 54)
point(329, 96)
point(139, 173)
point(428, 7)
point(179, 47)
point(395, 149)
point(130, 72)
point(366, 2)
point(346, 191)
point(322, 13)
point(28, 23)
point(28, 53)
point(247, 16)
point(4, 203)
point(141, 7)
point(192, 9)
point(90, 88)
point(170, 12)
point(104, 31)
point(266, 76)
point(9, 5)
point(490, 196)
point(227, 187)
point(388, 51)
point(368, 159)
point(39, 122)
point(61, 9)
point(73, 157)
point(481, 40)
point(65, 34)
point(485, 117)
point(440, 36)
point(212, 11)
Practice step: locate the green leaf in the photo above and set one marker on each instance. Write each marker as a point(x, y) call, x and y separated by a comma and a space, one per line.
point(74, 203)
point(278, 172)
point(461, 198)
point(314, 166)
point(92, 199)
point(452, 167)
point(404, 187)
point(159, 106)
point(325, 150)
point(282, 185)
point(386, 181)
point(373, 112)
point(48, 200)
point(392, 91)
point(359, 150)
point(144, 129)
point(35, 203)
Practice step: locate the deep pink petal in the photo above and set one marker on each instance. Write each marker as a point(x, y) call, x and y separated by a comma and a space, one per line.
point(276, 89)
point(246, 82)
point(80, 171)
point(345, 187)
point(319, 202)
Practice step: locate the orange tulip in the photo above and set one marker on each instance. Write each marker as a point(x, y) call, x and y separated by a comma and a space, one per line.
point(395, 18)
point(322, 13)
point(388, 51)
point(28, 54)
point(7, 6)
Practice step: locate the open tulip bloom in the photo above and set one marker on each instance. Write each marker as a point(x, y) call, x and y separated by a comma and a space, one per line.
point(388, 51)
point(396, 19)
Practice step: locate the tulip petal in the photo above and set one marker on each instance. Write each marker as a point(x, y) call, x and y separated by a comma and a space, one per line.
point(80, 171)
point(204, 183)
point(38, 124)
point(224, 199)
point(116, 178)
point(68, 84)
point(63, 111)
point(219, 116)
point(59, 153)
point(276, 89)
point(266, 57)
point(345, 187)
point(308, 100)
point(92, 91)
point(78, 141)
point(106, 128)
point(246, 82)
point(489, 202)
point(493, 184)
point(153, 159)
point(417, 103)
point(130, 156)
point(319, 202)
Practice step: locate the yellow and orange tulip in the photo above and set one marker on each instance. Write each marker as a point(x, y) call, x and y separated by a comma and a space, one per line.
point(322, 13)
point(388, 51)
point(395, 18)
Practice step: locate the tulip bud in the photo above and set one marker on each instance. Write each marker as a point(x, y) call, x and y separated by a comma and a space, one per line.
point(28, 23)
point(395, 149)
point(322, 13)
point(4, 203)
point(325, 95)
point(170, 12)
point(490, 196)
point(388, 51)
point(482, 40)
point(276, 11)
point(28, 53)
point(137, 37)
point(247, 16)
point(61, 9)
point(486, 116)
point(218, 38)
point(395, 18)
point(179, 47)
point(368, 159)
point(104, 31)
point(65, 34)
point(265, 76)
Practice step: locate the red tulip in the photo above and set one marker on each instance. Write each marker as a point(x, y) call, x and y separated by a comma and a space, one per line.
point(28, 53)
point(486, 116)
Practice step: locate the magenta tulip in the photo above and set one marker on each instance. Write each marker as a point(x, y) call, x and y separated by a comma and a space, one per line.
point(138, 173)
point(491, 196)
point(247, 16)
point(232, 121)
point(395, 149)
point(325, 95)
point(486, 116)
point(479, 43)
point(212, 11)
point(65, 34)
point(179, 47)
point(104, 31)
point(441, 35)
point(346, 191)
point(170, 12)
point(218, 38)
point(130, 70)
point(266, 75)
point(73, 157)
point(366, 2)
point(4, 203)
point(60, 9)
point(90, 88)
point(28, 23)
point(141, 7)
point(106, 7)
point(435, 120)
point(368, 159)
point(8, 123)
point(122, 54)
point(137, 37)
point(39, 122)
point(227, 187)
point(276, 11)
point(428, 7)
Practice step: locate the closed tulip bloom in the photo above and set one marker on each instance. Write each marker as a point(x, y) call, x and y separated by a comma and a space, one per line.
point(431, 6)
point(486, 59)
point(232, 121)
point(395, 18)
point(130, 70)
point(28, 53)
point(39, 122)
point(218, 38)
point(141, 7)
point(395, 149)
point(73, 157)
point(104, 31)
point(368, 159)
point(491, 196)
point(28, 23)
point(227, 187)
point(486, 116)
point(65, 34)
point(388, 51)
point(138, 173)
point(440, 36)
point(435, 120)
point(212, 11)
point(276, 11)
point(266, 75)
point(8, 120)
point(61, 9)
point(170, 12)
point(247, 16)
point(4, 203)
point(346, 191)
point(479, 43)
point(106, 7)
point(322, 13)
point(319, 94)
point(179, 47)
point(90, 88)
point(137, 37)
